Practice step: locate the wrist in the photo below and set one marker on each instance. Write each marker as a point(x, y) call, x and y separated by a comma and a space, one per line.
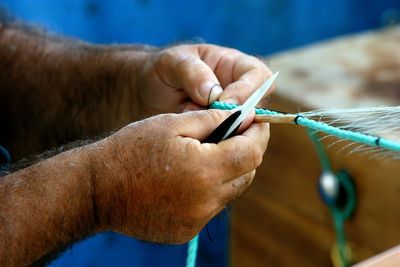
point(78, 188)
point(107, 185)
point(129, 80)
point(109, 75)
point(133, 62)
point(48, 204)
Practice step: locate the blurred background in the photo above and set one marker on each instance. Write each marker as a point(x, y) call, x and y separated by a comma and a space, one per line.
point(254, 26)
point(259, 27)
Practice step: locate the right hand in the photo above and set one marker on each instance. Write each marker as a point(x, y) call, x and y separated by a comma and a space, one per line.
point(155, 181)
point(180, 78)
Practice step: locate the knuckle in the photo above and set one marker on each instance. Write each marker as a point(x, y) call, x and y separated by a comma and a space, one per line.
point(173, 57)
point(256, 60)
point(164, 60)
point(235, 52)
point(184, 63)
point(260, 61)
point(223, 52)
point(250, 177)
point(167, 54)
point(266, 72)
point(262, 67)
point(258, 154)
point(165, 57)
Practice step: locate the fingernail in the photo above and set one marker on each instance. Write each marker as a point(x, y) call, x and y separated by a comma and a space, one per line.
point(210, 91)
point(216, 91)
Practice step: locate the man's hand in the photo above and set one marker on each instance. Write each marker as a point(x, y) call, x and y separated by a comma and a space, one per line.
point(181, 77)
point(155, 181)
point(152, 180)
point(94, 89)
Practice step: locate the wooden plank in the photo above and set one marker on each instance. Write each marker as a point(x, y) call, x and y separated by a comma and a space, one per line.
point(280, 220)
point(360, 70)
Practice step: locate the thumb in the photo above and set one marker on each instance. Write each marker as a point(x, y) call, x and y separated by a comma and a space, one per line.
point(194, 76)
point(200, 82)
point(200, 124)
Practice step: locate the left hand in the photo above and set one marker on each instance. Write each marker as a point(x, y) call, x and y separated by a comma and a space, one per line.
point(180, 78)
point(155, 181)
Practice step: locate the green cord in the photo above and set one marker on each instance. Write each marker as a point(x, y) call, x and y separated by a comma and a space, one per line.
point(322, 156)
point(338, 222)
point(339, 215)
point(348, 210)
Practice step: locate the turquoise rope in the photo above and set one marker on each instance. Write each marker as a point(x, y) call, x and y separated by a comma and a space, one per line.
point(192, 252)
point(315, 125)
point(323, 127)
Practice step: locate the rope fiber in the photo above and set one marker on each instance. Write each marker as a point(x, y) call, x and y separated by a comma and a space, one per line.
point(370, 140)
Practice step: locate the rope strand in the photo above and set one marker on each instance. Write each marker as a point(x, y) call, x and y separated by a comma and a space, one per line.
point(192, 252)
point(299, 119)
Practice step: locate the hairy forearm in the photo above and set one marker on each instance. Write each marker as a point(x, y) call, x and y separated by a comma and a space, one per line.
point(46, 206)
point(54, 90)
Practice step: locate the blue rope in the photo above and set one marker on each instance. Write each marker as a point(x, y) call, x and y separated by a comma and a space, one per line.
point(323, 127)
point(192, 252)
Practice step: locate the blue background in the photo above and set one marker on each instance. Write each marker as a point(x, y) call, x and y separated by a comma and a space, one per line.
point(253, 26)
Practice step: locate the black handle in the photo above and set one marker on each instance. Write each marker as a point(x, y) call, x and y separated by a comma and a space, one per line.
point(217, 135)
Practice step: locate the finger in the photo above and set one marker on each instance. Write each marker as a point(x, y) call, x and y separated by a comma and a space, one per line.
point(249, 75)
point(199, 124)
point(240, 154)
point(190, 73)
point(232, 189)
point(199, 82)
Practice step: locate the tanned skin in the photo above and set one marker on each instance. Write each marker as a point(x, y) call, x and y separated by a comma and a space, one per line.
point(153, 179)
